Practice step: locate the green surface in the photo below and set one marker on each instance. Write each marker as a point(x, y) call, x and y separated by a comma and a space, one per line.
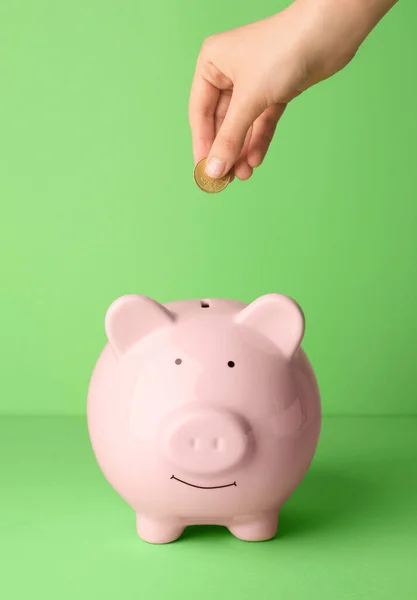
point(97, 198)
point(348, 532)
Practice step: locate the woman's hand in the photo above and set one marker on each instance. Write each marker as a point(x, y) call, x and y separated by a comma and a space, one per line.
point(245, 77)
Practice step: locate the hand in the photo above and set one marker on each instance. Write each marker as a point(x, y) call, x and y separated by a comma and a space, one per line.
point(245, 77)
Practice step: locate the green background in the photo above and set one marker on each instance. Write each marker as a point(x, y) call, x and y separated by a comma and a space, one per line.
point(98, 200)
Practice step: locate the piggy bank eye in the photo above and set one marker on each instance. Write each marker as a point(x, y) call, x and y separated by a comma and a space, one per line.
point(231, 364)
point(178, 361)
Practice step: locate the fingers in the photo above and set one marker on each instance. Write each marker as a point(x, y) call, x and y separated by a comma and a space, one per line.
point(263, 132)
point(221, 109)
point(230, 139)
point(222, 130)
point(221, 119)
point(202, 107)
point(242, 169)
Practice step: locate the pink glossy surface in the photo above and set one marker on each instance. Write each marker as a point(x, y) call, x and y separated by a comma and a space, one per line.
point(204, 414)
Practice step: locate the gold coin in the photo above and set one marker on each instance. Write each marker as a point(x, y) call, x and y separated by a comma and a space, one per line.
point(206, 183)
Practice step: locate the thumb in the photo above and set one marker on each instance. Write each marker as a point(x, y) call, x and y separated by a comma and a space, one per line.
point(227, 146)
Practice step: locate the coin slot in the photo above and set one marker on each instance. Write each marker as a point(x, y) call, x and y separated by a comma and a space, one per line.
point(204, 304)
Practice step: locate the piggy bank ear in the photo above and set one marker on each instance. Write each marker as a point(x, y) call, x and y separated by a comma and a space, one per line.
point(278, 318)
point(132, 317)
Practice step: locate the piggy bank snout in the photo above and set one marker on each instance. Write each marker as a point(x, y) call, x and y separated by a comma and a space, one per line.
point(206, 442)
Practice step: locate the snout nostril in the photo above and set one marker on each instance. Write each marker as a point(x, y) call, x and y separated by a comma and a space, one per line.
point(192, 442)
point(217, 443)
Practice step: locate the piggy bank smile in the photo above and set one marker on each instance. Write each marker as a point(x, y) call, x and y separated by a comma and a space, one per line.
point(204, 487)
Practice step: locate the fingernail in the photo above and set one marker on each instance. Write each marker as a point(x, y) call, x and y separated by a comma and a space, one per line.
point(215, 167)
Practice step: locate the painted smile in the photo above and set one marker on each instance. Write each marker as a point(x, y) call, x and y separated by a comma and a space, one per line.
point(203, 487)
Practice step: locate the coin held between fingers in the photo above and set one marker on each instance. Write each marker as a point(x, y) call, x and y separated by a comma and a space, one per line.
point(206, 183)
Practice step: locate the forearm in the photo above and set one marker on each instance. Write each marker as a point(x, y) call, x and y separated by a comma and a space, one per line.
point(335, 30)
point(360, 16)
point(370, 12)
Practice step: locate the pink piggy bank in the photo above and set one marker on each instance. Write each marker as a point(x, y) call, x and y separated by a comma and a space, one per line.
point(204, 412)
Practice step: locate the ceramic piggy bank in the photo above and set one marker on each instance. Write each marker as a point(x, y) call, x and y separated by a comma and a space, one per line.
point(204, 412)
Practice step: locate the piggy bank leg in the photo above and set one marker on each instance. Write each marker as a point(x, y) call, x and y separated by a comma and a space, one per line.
point(157, 531)
point(256, 529)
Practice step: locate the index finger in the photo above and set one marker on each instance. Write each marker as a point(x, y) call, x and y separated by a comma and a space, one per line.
point(202, 107)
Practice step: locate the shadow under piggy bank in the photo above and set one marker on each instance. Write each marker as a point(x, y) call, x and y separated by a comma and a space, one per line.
point(328, 498)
